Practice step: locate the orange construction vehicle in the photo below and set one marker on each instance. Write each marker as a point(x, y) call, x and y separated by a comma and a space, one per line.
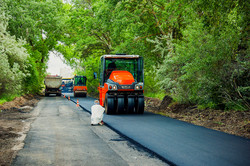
point(121, 84)
point(80, 87)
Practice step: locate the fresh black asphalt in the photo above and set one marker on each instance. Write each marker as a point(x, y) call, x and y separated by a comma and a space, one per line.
point(179, 142)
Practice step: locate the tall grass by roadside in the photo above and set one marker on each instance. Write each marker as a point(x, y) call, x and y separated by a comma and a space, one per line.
point(7, 98)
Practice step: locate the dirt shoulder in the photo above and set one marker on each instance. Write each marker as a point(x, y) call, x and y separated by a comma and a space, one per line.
point(232, 122)
point(15, 120)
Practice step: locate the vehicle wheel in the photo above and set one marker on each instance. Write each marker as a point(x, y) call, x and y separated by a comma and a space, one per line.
point(131, 105)
point(140, 105)
point(109, 106)
point(75, 94)
point(120, 105)
point(46, 94)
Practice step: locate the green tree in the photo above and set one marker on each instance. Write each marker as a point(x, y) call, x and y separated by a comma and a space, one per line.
point(207, 66)
point(40, 24)
point(13, 59)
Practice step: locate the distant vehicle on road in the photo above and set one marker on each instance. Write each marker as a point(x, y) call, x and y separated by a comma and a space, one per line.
point(80, 87)
point(121, 84)
point(53, 84)
point(67, 85)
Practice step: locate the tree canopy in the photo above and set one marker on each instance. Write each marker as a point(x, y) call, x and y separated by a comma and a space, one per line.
point(195, 51)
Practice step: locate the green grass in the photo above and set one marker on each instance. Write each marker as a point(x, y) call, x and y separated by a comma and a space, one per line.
point(7, 98)
point(159, 95)
point(219, 123)
point(2, 101)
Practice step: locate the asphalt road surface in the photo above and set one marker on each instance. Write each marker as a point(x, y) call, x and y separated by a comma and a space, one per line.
point(62, 135)
point(177, 142)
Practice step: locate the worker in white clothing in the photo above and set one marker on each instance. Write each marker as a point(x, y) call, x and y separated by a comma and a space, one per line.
point(97, 113)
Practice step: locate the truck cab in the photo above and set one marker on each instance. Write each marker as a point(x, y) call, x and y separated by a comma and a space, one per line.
point(121, 84)
point(67, 85)
point(80, 87)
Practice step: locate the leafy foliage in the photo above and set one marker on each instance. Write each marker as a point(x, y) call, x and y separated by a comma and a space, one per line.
point(205, 64)
point(13, 59)
point(29, 30)
point(195, 51)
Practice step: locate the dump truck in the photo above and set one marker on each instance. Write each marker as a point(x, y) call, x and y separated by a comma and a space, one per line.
point(53, 84)
point(80, 87)
point(121, 84)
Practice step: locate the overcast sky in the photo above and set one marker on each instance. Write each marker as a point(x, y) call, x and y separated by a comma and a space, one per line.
point(55, 63)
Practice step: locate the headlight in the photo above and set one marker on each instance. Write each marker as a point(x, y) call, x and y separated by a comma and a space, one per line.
point(139, 86)
point(112, 87)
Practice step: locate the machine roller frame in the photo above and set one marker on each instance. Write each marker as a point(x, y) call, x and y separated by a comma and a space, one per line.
point(121, 84)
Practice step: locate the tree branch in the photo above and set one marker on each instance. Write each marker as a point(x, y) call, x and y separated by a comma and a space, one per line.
point(156, 19)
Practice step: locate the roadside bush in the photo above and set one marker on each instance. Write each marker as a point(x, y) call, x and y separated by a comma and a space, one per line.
point(13, 60)
point(206, 69)
point(32, 82)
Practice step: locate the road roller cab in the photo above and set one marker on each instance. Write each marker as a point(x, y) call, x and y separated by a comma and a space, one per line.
point(80, 88)
point(121, 84)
